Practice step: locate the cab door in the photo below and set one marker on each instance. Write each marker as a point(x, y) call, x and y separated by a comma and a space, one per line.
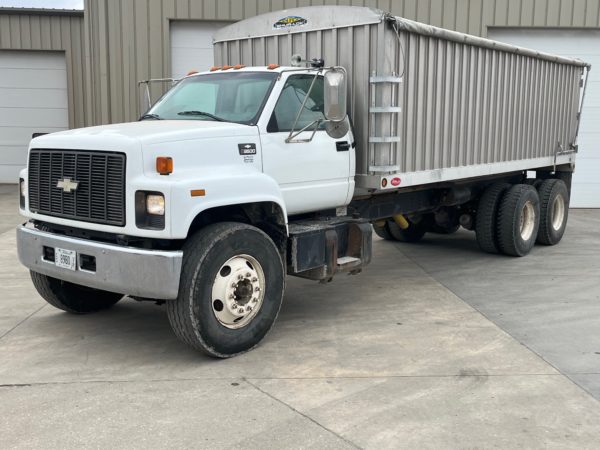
point(312, 175)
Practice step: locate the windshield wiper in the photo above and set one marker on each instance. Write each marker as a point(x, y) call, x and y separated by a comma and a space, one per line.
point(150, 116)
point(201, 113)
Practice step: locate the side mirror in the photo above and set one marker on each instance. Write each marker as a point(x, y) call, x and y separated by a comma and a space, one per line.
point(335, 95)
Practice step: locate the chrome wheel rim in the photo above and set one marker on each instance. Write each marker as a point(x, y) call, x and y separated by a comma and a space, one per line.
point(527, 221)
point(238, 291)
point(558, 212)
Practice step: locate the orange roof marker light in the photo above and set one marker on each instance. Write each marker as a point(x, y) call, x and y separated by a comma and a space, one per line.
point(239, 66)
point(191, 72)
point(227, 67)
point(213, 68)
point(272, 66)
point(164, 165)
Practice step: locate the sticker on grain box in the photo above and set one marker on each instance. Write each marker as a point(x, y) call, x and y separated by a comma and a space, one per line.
point(289, 21)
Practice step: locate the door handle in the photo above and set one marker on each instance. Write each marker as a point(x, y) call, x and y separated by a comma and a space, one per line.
point(342, 146)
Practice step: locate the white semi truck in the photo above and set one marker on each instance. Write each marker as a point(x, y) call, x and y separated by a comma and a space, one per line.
point(273, 164)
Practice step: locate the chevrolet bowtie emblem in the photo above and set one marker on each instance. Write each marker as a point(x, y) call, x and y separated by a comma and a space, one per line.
point(67, 185)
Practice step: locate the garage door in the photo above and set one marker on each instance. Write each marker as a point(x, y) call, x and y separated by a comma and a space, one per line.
point(585, 45)
point(33, 99)
point(192, 46)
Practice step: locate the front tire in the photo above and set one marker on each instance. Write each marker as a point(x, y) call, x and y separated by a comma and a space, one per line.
point(231, 289)
point(73, 298)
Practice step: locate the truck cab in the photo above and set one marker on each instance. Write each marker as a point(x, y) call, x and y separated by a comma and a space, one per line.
point(113, 210)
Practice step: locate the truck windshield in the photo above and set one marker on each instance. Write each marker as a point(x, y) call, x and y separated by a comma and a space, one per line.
point(227, 97)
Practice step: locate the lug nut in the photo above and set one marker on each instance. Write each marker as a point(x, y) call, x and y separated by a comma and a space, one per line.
point(248, 308)
point(231, 296)
point(254, 279)
point(255, 299)
point(241, 311)
point(233, 285)
point(240, 277)
point(256, 289)
point(248, 274)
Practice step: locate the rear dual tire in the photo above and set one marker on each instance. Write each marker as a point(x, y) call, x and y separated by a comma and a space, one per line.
point(487, 213)
point(518, 220)
point(554, 211)
point(511, 219)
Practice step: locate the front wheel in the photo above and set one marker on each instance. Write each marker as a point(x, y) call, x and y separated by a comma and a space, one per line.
point(71, 297)
point(231, 289)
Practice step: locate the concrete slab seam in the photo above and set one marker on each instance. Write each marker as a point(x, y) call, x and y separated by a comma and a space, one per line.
point(318, 378)
point(23, 321)
point(301, 414)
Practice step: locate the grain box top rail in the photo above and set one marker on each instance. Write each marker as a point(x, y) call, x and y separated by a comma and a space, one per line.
point(315, 18)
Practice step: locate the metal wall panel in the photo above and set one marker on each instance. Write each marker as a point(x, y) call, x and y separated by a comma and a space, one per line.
point(124, 41)
point(38, 30)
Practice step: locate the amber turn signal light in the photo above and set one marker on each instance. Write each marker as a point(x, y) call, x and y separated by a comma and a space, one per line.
point(272, 66)
point(164, 165)
point(214, 68)
point(191, 72)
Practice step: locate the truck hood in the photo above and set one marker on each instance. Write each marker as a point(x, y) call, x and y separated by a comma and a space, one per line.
point(139, 134)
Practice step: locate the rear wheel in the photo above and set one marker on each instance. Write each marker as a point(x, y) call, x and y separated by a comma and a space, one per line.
point(518, 220)
point(554, 211)
point(231, 289)
point(486, 218)
point(73, 298)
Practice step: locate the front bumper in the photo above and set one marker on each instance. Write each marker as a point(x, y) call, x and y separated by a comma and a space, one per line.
point(125, 270)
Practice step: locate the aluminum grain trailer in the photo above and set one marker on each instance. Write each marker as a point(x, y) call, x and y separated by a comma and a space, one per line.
point(432, 107)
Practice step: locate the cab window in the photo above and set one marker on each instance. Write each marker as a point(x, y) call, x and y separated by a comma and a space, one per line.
point(290, 102)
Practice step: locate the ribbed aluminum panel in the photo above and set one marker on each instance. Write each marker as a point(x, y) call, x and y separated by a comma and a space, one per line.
point(465, 101)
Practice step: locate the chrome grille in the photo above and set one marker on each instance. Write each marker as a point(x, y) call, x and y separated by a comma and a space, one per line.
point(100, 194)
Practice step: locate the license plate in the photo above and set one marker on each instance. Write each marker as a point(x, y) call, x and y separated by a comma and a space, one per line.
point(65, 258)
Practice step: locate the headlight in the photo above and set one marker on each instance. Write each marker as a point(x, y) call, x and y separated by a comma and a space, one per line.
point(22, 193)
point(150, 210)
point(155, 205)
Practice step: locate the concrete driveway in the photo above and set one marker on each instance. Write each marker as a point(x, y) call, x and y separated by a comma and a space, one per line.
point(436, 345)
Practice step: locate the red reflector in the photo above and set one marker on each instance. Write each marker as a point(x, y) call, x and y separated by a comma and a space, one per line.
point(395, 181)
